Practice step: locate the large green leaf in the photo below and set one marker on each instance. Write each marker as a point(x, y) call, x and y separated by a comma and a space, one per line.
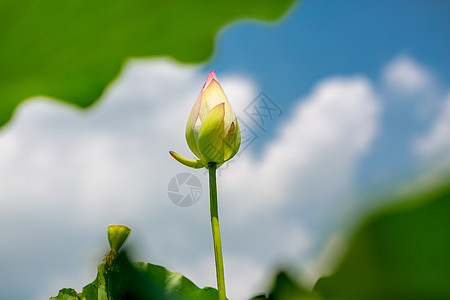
point(400, 253)
point(141, 281)
point(72, 49)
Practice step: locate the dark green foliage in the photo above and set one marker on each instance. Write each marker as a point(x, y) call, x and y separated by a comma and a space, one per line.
point(287, 289)
point(399, 253)
point(139, 281)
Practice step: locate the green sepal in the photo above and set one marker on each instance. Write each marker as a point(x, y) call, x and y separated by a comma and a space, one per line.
point(191, 163)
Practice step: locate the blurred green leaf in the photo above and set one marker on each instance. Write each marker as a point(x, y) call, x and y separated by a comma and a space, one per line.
point(259, 297)
point(287, 289)
point(71, 50)
point(400, 253)
point(140, 281)
point(66, 294)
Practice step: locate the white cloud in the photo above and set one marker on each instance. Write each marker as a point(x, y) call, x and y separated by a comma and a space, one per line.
point(66, 173)
point(405, 75)
point(436, 143)
point(314, 154)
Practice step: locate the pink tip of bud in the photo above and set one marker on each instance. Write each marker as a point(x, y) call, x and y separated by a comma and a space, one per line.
point(211, 77)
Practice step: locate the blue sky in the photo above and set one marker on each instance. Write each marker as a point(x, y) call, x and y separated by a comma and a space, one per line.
point(364, 90)
point(319, 38)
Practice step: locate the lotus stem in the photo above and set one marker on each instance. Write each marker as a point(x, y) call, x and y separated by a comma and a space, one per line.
point(212, 167)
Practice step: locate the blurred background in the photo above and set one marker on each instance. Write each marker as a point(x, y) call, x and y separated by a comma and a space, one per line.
point(340, 102)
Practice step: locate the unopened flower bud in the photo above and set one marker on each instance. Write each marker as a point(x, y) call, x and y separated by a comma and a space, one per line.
point(212, 130)
point(117, 235)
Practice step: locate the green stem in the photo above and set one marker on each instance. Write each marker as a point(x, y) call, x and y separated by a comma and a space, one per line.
point(216, 231)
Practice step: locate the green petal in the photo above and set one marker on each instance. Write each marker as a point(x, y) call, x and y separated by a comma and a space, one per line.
point(190, 127)
point(232, 141)
point(237, 142)
point(210, 136)
point(212, 96)
point(196, 164)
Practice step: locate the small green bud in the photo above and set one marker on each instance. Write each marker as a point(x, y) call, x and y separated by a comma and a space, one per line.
point(117, 235)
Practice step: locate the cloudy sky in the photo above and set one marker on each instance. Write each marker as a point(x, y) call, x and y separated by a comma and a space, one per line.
point(355, 96)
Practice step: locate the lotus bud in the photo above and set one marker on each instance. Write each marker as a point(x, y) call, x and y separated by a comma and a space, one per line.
point(212, 130)
point(117, 235)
